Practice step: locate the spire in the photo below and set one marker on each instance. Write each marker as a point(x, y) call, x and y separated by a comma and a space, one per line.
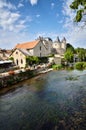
point(57, 40)
point(64, 39)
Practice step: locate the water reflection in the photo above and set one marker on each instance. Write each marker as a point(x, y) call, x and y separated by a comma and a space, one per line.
point(48, 102)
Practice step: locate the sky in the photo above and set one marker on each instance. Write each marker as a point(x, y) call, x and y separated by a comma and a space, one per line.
point(26, 20)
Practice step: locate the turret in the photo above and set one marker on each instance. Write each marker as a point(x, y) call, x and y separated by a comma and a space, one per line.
point(63, 43)
point(64, 40)
point(57, 39)
point(57, 43)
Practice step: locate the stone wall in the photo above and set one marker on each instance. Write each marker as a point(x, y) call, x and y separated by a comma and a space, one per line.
point(14, 78)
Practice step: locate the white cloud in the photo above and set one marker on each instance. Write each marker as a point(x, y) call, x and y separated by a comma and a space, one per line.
point(29, 19)
point(57, 14)
point(13, 27)
point(52, 5)
point(8, 40)
point(10, 20)
point(33, 2)
point(20, 5)
point(8, 5)
point(38, 15)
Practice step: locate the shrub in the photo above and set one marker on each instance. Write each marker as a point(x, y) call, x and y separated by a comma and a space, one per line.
point(79, 65)
point(84, 65)
point(57, 66)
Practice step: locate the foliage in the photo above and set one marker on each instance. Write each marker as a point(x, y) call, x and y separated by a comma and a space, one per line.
point(80, 65)
point(84, 65)
point(69, 55)
point(81, 52)
point(80, 12)
point(70, 47)
point(32, 60)
point(43, 59)
point(56, 66)
point(36, 60)
point(11, 58)
point(51, 55)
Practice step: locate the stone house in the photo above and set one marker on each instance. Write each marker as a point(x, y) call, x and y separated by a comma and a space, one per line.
point(4, 54)
point(40, 48)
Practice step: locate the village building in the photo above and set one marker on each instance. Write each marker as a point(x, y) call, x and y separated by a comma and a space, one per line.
point(5, 62)
point(40, 48)
point(58, 49)
point(4, 54)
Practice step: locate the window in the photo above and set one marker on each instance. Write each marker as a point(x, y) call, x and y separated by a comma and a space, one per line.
point(40, 47)
point(17, 61)
point(16, 52)
point(21, 61)
point(40, 54)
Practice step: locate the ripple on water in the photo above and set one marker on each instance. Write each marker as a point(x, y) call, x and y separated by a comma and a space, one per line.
point(48, 102)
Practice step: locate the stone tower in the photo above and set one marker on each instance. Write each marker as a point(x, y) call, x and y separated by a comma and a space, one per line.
point(63, 43)
point(57, 43)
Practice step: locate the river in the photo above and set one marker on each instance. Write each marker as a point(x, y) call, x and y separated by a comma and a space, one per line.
point(52, 101)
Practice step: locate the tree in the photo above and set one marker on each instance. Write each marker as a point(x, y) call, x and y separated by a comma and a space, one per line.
point(80, 7)
point(70, 47)
point(32, 60)
point(11, 58)
point(81, 52)
point(69, 56)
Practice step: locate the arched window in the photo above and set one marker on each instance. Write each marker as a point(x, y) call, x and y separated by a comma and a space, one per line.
point(21, 61)
point(40, 47)
point(16, 52)
point(17, 61)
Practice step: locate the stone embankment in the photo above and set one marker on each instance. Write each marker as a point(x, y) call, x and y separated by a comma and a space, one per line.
point(13, 77)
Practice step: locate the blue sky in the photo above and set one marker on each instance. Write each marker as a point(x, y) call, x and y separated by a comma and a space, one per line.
point(26, 20)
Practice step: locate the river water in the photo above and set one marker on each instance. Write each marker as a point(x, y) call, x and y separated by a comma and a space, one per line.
point(52, 101)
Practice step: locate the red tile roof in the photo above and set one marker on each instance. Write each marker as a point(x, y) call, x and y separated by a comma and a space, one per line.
point(27, 45)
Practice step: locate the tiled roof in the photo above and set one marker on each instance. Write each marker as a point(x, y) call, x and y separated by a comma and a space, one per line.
point(25, 52)
point(27, 45)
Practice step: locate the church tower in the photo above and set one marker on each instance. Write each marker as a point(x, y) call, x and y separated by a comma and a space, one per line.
point(63, 43)
point(57, 43)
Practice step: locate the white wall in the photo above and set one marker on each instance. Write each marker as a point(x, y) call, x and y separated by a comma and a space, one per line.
point(20, 57)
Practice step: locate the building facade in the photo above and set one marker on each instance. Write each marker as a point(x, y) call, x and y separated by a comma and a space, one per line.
point(40, 48)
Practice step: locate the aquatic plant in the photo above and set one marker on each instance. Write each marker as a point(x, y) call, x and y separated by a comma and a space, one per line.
point(71, 78)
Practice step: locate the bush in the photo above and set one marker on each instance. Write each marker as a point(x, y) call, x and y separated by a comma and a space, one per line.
point(80, 65)
point(57, 66)
point(84, 65)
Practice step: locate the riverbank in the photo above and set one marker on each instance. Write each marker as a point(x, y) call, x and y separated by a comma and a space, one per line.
point(14, 77)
